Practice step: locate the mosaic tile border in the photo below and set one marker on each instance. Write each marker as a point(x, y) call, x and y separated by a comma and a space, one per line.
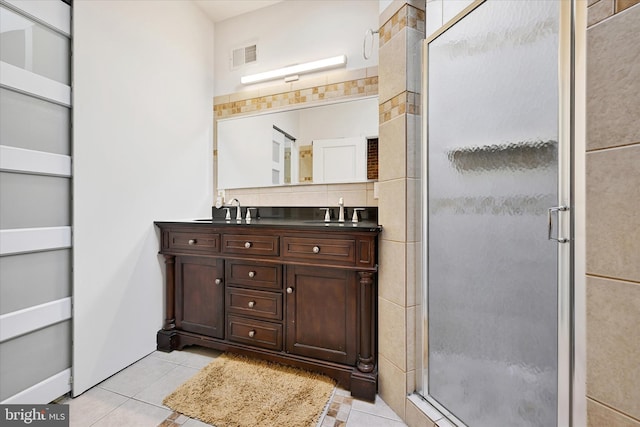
point(176, 419)
point(599, 10)
point(403, 103)
point(406, 16)
point(347, 89)
point(338, 411)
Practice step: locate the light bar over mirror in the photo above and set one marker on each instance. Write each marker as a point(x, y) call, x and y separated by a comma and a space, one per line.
point(307, 67)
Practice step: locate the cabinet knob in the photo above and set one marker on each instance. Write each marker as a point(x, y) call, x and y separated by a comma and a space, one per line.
point(252, 274)
point(316, 249)
point(251, 304)
point(289, 290)
point(192, 241)
point(218, 281)
point(252, 334)
point(247, 245)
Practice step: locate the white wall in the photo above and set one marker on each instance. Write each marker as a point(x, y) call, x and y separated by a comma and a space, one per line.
point(292, 32)
point(341, 120)
point(245, 148)
point(142, 148)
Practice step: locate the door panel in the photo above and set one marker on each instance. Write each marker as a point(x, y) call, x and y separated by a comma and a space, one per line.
point(200, 300)
point(492, 168)
point(35, 202)
point(340, 160)
point(326, 327)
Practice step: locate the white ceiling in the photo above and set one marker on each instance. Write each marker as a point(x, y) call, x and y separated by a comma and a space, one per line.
point(219, 10)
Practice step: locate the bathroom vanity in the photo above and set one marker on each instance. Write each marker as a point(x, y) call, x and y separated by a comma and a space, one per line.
point(293, 290)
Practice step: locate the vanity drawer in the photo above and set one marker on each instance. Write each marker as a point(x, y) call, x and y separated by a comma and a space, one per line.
point(254, 332)
point(262, 304)
point(336, 251)
point(254, 274)
point(250, 244)
point(193, 241)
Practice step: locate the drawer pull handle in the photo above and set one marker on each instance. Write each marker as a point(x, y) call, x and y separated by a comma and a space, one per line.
point(289, 290)
point(252, 274)
point(247, 245)
point(192, 241)
point(316, 249)
point(218, 281)
point(252, 334)
point(251, 304)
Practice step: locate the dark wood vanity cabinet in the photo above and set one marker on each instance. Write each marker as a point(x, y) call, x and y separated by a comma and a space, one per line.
point(302, 296)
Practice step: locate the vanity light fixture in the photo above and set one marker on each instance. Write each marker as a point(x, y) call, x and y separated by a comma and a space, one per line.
point(295, 70)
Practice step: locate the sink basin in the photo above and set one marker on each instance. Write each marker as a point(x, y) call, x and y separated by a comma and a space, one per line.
point(327, 223)
point(224, 221)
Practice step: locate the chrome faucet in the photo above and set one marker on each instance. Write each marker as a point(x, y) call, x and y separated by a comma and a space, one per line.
point(239, 210)
point(341, 214)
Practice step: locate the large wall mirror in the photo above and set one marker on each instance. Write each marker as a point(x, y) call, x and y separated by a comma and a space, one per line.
point(327, 143)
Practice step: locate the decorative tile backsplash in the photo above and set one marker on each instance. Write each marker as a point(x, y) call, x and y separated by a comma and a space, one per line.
point(405, 102)
point(407, 16)
point(365, 86)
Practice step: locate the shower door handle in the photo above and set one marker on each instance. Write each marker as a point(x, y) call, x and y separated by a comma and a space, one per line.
point(550, 223)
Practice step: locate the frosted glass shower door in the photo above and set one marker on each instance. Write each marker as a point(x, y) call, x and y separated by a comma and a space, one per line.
point(492, 174)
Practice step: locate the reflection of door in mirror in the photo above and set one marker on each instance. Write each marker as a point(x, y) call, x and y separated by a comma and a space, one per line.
point(284, 168)
point(277, 158)
point(340, 160)
point(290, 160)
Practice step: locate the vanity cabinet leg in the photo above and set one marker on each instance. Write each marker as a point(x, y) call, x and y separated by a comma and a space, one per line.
point(364, 386)
point(167, 338)
point(366, 357)
point(364, 378)
point(167, 341)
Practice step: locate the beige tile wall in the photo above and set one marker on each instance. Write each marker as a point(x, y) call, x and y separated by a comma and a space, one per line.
point(401, 33)
point(354, 195)
point(334, 85)
point(613, 214)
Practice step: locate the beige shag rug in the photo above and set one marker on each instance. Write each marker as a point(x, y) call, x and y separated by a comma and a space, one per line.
point(235, 391)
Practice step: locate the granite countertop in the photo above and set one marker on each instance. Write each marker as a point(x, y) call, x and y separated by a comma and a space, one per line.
point(305, 217)
point(271, 222)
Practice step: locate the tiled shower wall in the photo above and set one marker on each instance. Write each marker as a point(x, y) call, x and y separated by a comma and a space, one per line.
point(331, 86)
point(402, 29)
point(613, 213)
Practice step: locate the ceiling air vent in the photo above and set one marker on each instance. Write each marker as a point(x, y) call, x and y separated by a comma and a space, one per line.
point(244, 55)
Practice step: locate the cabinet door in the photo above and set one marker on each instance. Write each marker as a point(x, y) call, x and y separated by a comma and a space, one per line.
point(321, 313)
point(200, 295)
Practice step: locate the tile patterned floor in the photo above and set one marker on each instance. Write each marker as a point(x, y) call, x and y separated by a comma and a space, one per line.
point(133, 397)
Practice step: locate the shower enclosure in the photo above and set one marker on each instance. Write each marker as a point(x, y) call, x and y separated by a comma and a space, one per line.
point(497, 215)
